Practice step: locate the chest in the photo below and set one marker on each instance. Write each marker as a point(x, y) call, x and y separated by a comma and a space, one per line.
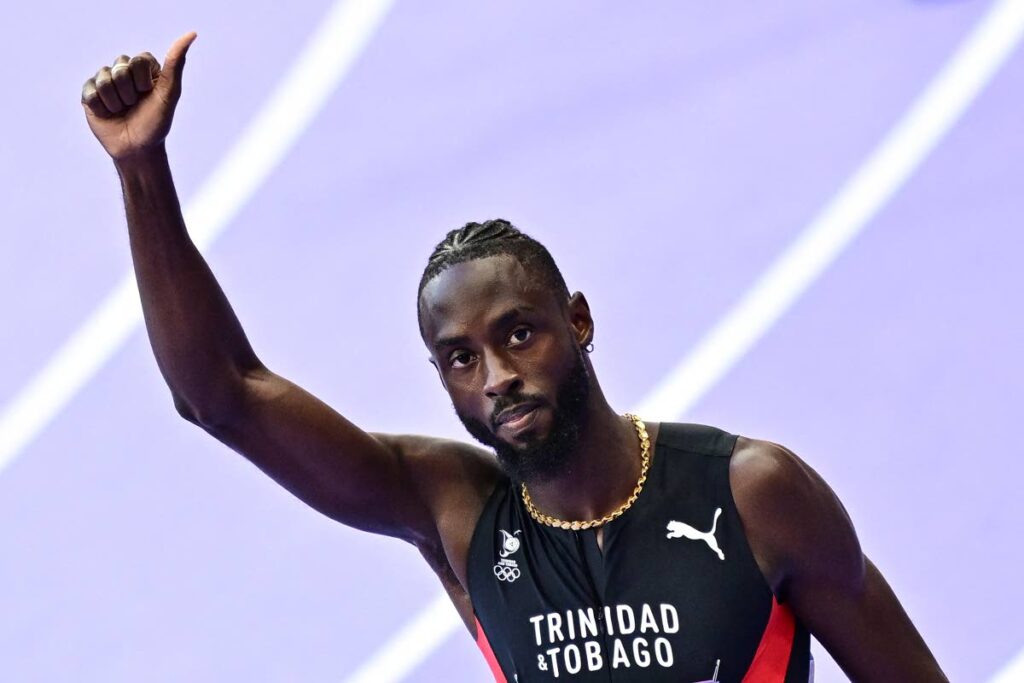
point(670, 592)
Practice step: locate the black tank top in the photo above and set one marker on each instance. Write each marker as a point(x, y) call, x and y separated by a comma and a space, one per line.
point(675, 595)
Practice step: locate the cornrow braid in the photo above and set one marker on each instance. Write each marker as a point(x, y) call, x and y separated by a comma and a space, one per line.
point(493, 237)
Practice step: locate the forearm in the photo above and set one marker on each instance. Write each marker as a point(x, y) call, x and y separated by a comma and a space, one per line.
point(198, 342)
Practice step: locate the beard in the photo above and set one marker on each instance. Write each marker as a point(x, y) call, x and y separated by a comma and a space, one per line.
point(540, 459)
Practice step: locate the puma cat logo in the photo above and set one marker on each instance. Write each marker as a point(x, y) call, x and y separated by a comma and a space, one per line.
point(681, 529)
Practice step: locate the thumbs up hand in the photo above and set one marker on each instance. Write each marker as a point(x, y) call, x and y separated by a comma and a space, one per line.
point(130, 105)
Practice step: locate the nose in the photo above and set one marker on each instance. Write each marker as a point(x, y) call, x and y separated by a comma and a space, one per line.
point(502, 376)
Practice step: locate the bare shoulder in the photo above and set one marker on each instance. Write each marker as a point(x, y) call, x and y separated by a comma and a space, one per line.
point(794, 522)
point(805, 543)
point(453, 479)
point(763, 471)
point(444, 467)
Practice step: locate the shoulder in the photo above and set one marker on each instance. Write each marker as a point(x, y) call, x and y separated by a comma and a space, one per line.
point(454, 480)
point(795, 524)
point(445, 471)
point(764, 470)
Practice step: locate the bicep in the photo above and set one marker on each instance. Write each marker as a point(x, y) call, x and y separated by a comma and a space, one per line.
point(796, 520)
point(323, 459)
point(864, 628)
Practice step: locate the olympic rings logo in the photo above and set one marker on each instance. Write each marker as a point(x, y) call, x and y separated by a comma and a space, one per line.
point(504, 573)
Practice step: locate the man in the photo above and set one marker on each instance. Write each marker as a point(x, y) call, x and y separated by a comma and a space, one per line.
point(590, 546)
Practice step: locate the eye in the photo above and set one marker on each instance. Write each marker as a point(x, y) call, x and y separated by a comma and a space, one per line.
point(460, 359)
point(519, 336)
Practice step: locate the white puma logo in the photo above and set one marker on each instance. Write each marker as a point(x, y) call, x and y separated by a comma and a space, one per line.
point(680, 529)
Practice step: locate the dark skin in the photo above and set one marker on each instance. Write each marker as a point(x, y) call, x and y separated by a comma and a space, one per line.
point(491, 332)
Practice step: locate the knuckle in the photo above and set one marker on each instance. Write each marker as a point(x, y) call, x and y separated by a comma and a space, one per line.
point(138, 66)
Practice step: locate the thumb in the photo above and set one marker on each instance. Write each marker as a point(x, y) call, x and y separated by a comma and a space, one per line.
point(174, 62)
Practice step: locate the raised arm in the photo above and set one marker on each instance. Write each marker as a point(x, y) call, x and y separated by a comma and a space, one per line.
point(400, 486)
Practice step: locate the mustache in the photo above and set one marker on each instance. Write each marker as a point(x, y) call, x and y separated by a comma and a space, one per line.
point(503, 403)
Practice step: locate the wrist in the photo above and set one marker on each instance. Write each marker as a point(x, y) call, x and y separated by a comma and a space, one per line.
point(141, 162)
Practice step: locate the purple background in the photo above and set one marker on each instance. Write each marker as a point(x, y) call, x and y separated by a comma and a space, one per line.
point(665, 152)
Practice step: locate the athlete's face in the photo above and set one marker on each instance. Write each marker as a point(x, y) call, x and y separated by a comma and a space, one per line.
point(509, 353)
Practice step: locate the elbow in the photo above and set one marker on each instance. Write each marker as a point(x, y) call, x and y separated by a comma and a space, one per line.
point(206, 420)
point(185, 410)
point(214, 405)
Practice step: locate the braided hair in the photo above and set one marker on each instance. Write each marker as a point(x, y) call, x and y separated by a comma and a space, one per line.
point(493, 238)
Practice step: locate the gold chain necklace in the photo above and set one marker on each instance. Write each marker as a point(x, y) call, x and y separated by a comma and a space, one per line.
point(645, 464)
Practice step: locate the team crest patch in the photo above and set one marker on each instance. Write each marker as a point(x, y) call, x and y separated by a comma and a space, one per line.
point(507, 569)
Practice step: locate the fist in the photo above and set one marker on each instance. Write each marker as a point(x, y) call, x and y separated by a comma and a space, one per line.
point(130, 104)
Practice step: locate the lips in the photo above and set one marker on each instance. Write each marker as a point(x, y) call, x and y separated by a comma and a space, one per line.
point(515, 413)
point(519, 421)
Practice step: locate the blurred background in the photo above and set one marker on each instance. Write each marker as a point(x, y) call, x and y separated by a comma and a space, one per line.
point(798, 222)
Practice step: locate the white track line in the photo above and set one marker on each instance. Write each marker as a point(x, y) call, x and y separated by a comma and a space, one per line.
point(873, 184)
point(411, 645)
point(325, 60)
point(1013, 672)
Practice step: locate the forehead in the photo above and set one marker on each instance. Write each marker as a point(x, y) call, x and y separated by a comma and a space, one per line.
point(466, 296)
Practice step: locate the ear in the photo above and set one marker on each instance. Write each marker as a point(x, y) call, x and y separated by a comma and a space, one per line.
point(580, 319)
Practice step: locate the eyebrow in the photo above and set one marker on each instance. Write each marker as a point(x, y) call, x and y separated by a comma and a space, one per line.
point(504, 320)
point(450, 341)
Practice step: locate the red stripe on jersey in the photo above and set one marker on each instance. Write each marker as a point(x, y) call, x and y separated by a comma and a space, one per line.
point(772, 657)
point(485, 647)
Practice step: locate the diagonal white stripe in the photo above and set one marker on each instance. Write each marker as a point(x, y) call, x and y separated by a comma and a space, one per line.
point(873, 184)
point(323, 63)
point(1012, 672)
point(411, 645)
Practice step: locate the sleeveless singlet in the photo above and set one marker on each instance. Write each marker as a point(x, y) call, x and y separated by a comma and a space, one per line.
point(675, 595)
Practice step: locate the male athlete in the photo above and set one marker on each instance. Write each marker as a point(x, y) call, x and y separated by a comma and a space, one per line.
point(590, 546)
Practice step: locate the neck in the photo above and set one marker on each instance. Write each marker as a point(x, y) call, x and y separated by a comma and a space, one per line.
point(601, 472)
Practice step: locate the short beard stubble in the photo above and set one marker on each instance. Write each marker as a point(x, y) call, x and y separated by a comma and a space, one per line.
point(541, 459)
